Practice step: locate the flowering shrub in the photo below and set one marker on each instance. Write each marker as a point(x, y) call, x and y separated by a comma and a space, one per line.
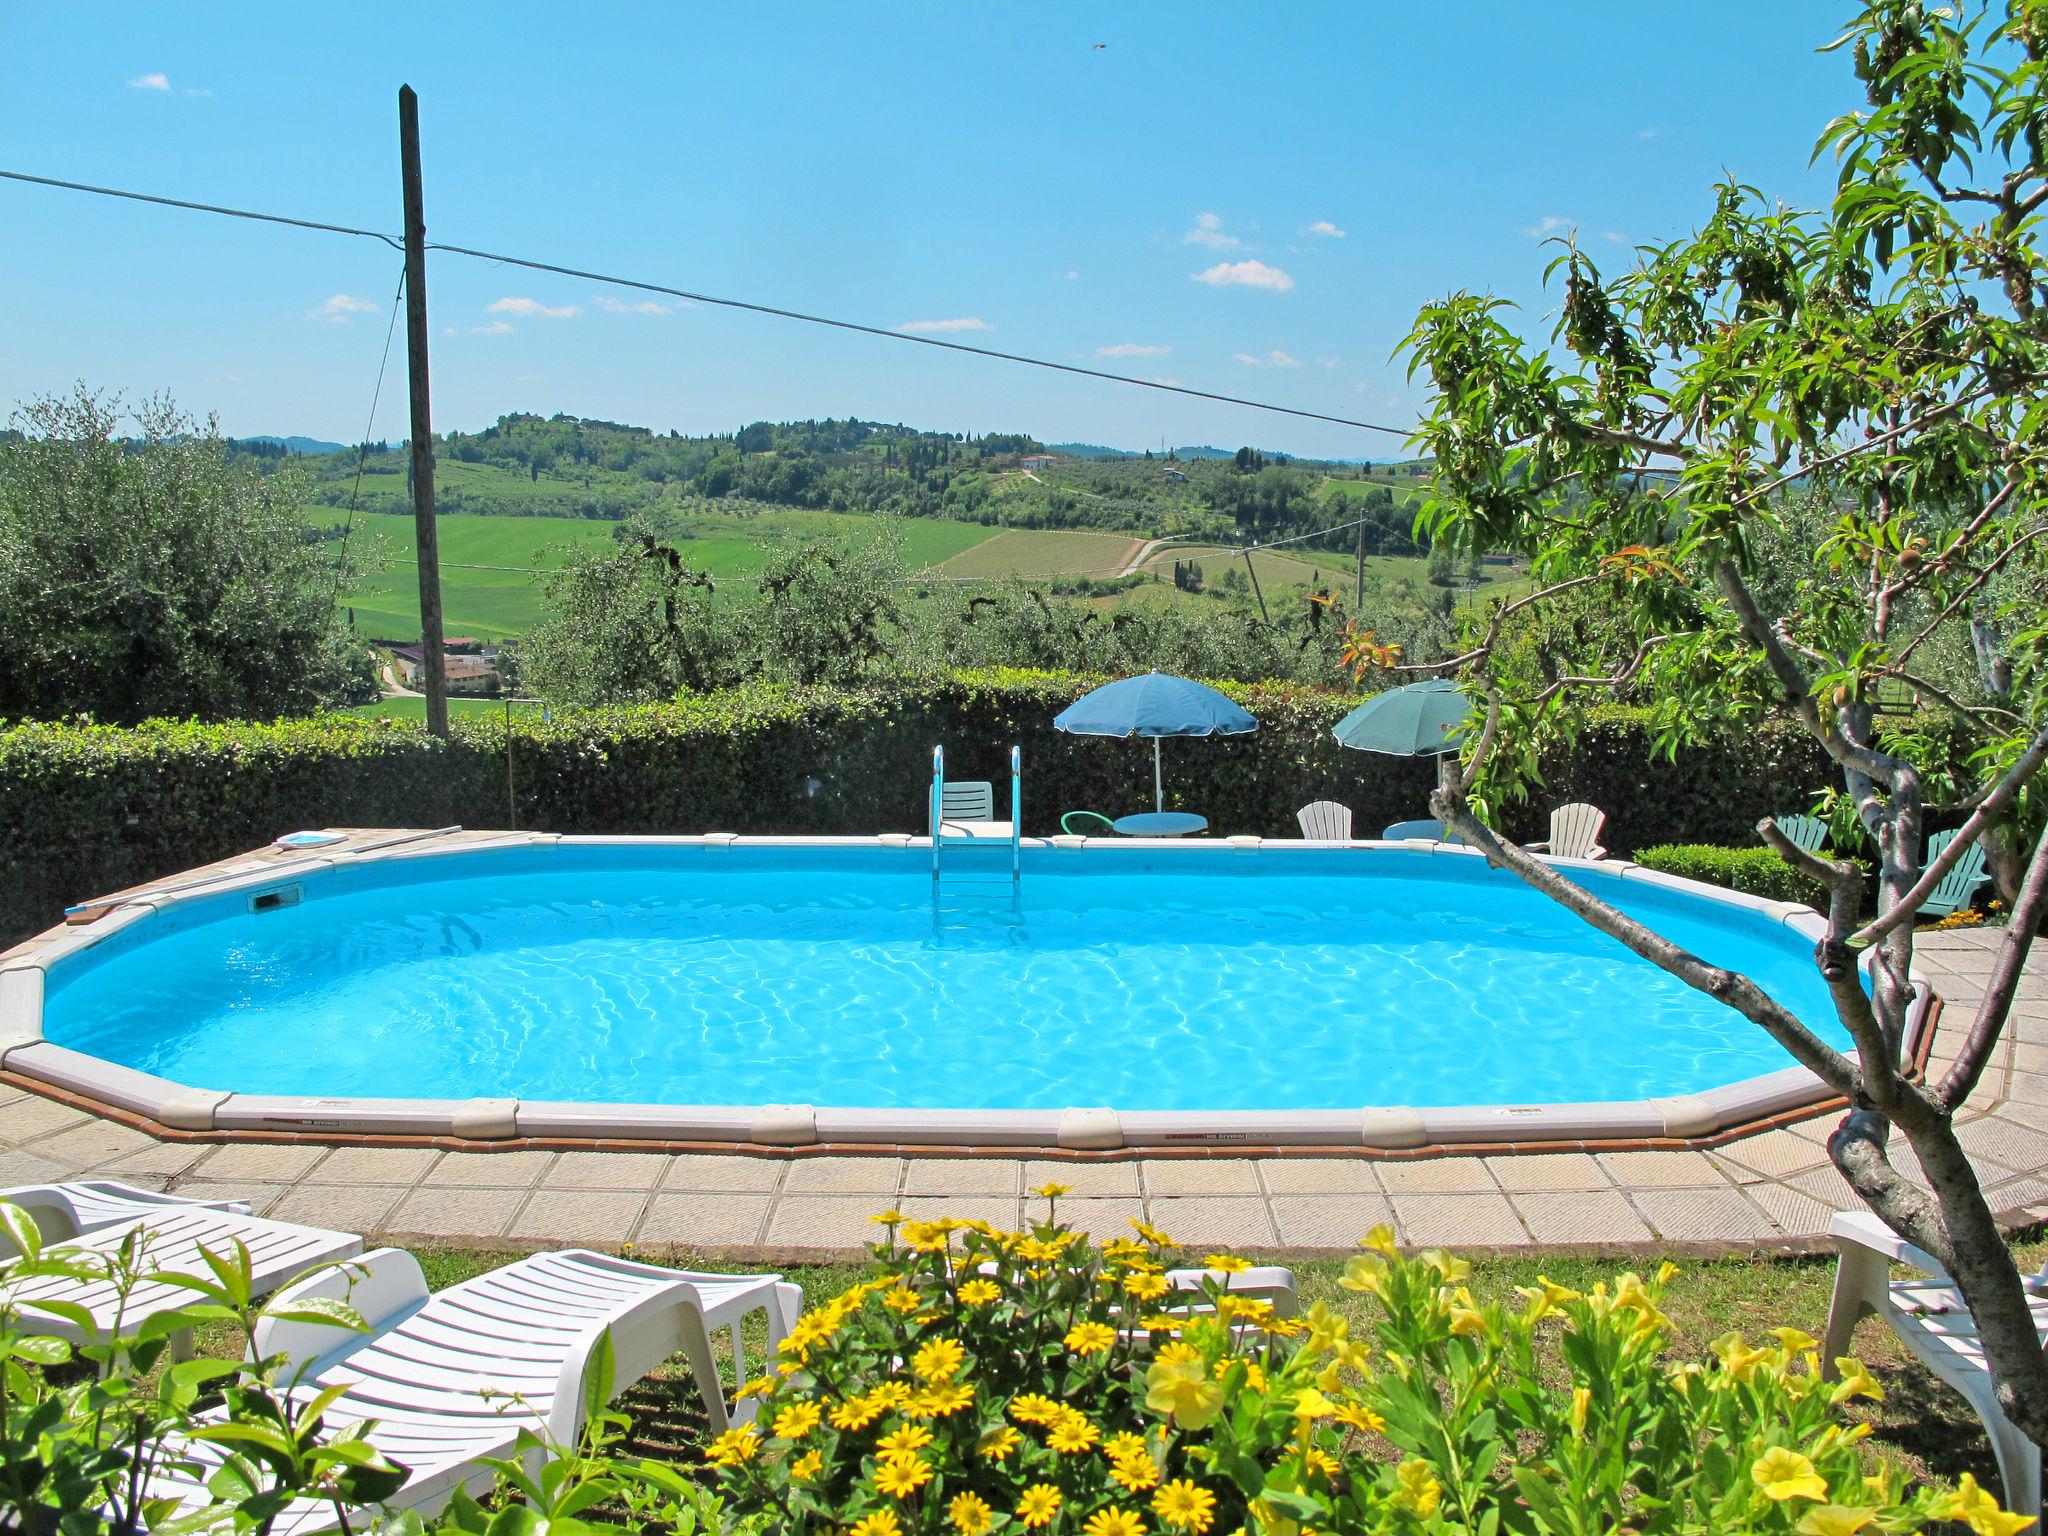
point(987, 1381)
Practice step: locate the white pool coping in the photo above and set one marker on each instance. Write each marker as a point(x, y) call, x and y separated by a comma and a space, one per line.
point(181, 1107)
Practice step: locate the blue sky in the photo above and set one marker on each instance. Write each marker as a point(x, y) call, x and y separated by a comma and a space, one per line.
point(1253, 199)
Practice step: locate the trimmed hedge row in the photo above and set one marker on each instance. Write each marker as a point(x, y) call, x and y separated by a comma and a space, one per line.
point(1758, 871)
point(89, 809)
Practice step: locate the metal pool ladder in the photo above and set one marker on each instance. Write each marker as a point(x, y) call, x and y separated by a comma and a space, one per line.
point(967, 842)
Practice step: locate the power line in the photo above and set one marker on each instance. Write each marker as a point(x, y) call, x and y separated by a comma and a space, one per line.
point(363, 447)
point(749, 307)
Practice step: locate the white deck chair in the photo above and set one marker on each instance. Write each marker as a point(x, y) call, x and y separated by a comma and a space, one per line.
point(967, 808)
point(453, 1376)
point(1325, 821)
point(1574, 832)
point(63, 1211)
point(1930, 1319)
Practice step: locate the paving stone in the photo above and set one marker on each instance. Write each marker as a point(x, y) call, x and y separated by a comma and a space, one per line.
point(844, 1176)
point(457, 1211)
point(1702, 1215)
point(93, 1143)
point(963, 1176)
point(1796, 1212)
point(606, 1217)
point(1663, 1170)
point(36, 1116)
point(17, 1168)
point(2027, 1056)
point(1773, 1155)
point(1102, 1218)
point(639, 1171)
point(1549, 1171)
point(1438, 1176)
point(347, 1208)
point(992, 1209)
point(372, 1165)
point(1219, 1176)
point(1089, 1179)
point(2029, 1090)
point(721, 1174)
point(1337, 1221)
point(163, 1159)
point(820, 1222)
point(282, 1162)
point(1209, 1222)
point(1828, 1187)
point(705, 1220)
point(2021, 1194)
point(1319, 1176)
point(1580, 1216)
point(260, 1197)
point(489, 1170)
point(1458, 1221)
point(2006, 1142)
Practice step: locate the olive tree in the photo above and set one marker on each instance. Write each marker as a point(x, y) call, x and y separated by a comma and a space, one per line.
point(1882, 359)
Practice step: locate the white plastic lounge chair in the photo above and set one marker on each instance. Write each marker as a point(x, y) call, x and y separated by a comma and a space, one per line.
point(967, 808)
point(1423, 827)
point(1960, 884)
point(62, 1211)
point(453, 1376)
point(1325, 821)
point(1807, 832)
point(1574, 833)
point(1930, 1319)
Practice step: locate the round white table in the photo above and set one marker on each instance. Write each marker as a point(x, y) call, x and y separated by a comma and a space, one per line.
point(1160, 824)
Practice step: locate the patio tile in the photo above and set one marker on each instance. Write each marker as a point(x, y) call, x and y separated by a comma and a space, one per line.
point(1827, 1186)
point(963, 1176)
point(723, 1174)
point(372, 1165)
point(1773, 1155)
point(1580, 1216)
point(1219, 1176)
point(37, 1116)
point(281, 1161)
point(357, 1208)
point(1458, 1221)
point(1316, 1222)
point(1103, 1218)
point(1702, 1215)
point(2028, 1194)
point(1085, 1178)
point(1797, 1213)
point(2029, 1056)
point(580, 1216)
point(845, 1176)
point(1208, 1222)
point(163, 1159)
point(1663, 1170)
point(2005, 1141)
point(2027, 1088)
point(992, 1209)
point(488, 1170)
point(1438, 1176)
point(27, 1168)
point(261, 1197)
point(820, 1222)
point(1549, 1171)
point(93, 1143)
point(457, 1211)
point(640, 1171)
point(1319, 1176)
point(705, 1220)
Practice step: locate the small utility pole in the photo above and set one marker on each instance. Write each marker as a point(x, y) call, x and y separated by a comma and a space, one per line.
point(433, 665)
point(1360, 605)
point(1256, 588)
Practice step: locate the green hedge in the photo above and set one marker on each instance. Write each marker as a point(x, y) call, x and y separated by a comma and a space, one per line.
point(89, 809)
point(1759, 871)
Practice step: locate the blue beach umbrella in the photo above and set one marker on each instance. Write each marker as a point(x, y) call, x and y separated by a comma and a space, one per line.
point(1154, 704)
point(1420, 720)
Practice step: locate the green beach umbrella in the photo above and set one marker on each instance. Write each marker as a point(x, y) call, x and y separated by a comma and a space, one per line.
point(1420, 720)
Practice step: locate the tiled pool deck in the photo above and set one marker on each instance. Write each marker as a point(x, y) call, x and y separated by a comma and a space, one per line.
point(1771, 1192)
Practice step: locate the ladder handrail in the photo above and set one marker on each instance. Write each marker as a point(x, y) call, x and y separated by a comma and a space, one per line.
point(1016, 812)
point(937, 804)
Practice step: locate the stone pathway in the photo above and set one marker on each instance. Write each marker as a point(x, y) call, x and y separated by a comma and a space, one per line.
point(1769, 1192)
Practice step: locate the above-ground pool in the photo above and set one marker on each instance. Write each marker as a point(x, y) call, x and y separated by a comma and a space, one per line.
point(1145, 978)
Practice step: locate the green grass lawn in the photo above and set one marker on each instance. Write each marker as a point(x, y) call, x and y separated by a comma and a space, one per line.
point(416, 709)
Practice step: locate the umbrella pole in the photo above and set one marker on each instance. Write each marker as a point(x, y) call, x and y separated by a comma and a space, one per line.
point(1158, 794)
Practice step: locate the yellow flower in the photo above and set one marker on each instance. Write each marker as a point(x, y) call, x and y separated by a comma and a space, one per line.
point(900, 1298)
point(1040, 1505)
point(1153, 1235)
point(855, 1413)
point(1359, 1416)
point(1544, 1298)
point(907, 1441)
point(1321, 1462)
point(734, 1446)
point(760, 1386)
point(1146, 1287)
point(1226, 1263)
point(999, 1444)
point(1784, 1474)
point(1582, 1400)
point(942, 1402)
point(1451, 1269)
point(979, 1293)
point(901, 1476)
point(928, 1236)
point(938, 1360)
point(1051, 1191)
point(1418, 1488)
point(1124, 1443)
point(1179, 1352)
point(889, 1394)
point(1793, 1342)
point(1185, 1505)
point(1184, 1392)
point(1365, 1272)
point(882, 1522)
point(1033, 1408)
point(1738, 1359)
point(1381, 1240)
point(1072, 1434)
point(1856, 1382)
point(970, 1514)
point(1114, 1522)
point(807, 1466)
point(888, 1218)
point(1834, 1520)
point(795, 1420)
point(1134, 1473)
point(1090, 1338)
point(1972, 1504)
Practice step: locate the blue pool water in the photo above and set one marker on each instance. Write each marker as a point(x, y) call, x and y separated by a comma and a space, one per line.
point(1138, 979)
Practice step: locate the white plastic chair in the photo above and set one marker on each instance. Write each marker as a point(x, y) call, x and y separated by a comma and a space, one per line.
point(1325, 821)
point(1931, 1320)
point(63, 1211)
point(1574, 832)
point(967, 808)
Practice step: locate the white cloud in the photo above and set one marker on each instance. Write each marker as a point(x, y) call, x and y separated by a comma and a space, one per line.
point(1614, 237)
point(1072, 274)
point(156, 81)
point(1647, 133)
point(1328, 362)
point(194, 90)
point(1324, 228)
point(1132, 349)
point(338, 309)
point(612, 306)
point(926, 327)
point(1549, 224)
point(1273, 359)
point(1245, 274)
point(495, 328)
point(1208, 231)
point(532, 308)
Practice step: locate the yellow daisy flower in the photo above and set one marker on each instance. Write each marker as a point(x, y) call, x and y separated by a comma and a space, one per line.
point(999, 1444)
point(901, 1476)
point(970, 1515)
point(938, 1359)
point(807, 1466)
point(1114, 1522)
point(907, 1441)
point(1039, 1506)
point(734, 1447)
point(1090, 1338)
point(882, 1522)
point(1185, 1505)
point(979, 1293)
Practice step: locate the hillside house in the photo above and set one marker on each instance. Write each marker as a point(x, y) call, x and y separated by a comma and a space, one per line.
point(1036, 461)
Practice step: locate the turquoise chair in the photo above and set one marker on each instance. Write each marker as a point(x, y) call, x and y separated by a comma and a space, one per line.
point(1807, 832)
point(1960, 883)
point(1435, 831)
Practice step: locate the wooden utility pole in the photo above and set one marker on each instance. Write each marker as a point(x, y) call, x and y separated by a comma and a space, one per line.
point(433, 664)
point(1359, 606)
point(1257, 590)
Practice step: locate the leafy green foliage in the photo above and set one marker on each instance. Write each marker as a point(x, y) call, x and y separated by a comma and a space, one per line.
point(1758, 871)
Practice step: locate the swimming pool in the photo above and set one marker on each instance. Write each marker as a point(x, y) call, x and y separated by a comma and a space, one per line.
point(1172, 981)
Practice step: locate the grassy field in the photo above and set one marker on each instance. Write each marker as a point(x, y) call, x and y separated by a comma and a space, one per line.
point(408, 708)
point(1043, 552)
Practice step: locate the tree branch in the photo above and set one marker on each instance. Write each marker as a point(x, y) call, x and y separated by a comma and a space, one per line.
point(1996, 1006)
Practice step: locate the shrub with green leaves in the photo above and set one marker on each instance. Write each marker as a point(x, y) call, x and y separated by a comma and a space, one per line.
point(1758, 871)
